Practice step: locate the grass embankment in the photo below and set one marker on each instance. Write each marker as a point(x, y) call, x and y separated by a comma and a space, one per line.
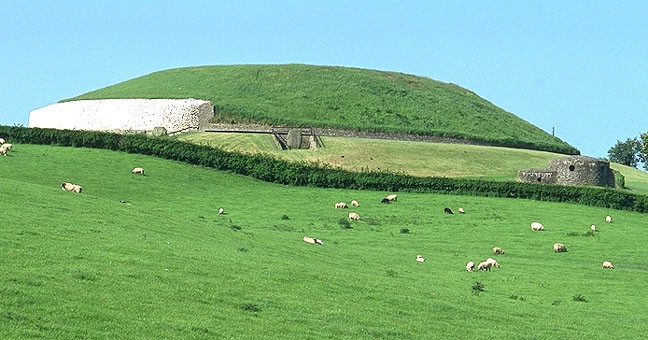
point(339, 97)
point(413, 158)
point(148, 257)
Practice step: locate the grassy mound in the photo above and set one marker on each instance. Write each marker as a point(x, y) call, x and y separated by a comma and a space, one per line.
point(339, 97)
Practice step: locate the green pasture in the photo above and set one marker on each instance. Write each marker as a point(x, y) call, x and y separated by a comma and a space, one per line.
point(148, 257)
point(413, 158)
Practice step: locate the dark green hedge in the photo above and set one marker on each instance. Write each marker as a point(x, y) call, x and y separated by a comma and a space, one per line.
point(270, 169)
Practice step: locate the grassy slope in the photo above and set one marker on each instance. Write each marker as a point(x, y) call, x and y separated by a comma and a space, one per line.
point(165, 265)
point(338, 97)
point(415, 158)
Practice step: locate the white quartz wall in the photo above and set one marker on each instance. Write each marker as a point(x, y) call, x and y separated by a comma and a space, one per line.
point(124, 114)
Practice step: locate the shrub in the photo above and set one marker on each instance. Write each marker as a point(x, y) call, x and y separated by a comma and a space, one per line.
point(478, 287)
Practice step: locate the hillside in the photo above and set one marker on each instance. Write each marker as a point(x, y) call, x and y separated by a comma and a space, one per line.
point(339, 97)
point(149, 256)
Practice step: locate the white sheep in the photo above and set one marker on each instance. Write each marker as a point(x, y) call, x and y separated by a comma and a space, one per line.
point(340, 205)
point(461, 211)
point(593, 228)
point(355, 203)
point(537, 226)
point(492, 262)
point(71, 187)
point(559, 247)
point(6, 146)
point(221, 211)
point(3, 152)
point(138, 170)
point(470, 266)
point(420, 258)
point(608, 219)
point(392, 198)
point(312, 240)
point(608, 265)
point(354, 216)
point(484, 266)
point(498, 250)
point(2, 141)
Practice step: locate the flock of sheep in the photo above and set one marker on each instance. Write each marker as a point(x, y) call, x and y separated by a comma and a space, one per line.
point(4, 147)
point(470, 266)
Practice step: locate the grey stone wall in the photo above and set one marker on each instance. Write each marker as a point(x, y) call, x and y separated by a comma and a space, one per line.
point(573, 170)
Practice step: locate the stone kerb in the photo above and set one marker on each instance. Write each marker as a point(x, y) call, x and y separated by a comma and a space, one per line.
point(124, 115)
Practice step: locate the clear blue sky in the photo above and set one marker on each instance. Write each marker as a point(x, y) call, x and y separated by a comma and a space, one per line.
point(578, 66)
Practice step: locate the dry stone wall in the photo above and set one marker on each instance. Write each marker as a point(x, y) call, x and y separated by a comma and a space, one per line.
point(124, 115)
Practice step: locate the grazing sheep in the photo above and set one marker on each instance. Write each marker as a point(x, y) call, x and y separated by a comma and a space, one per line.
point(3, 152)
point(447, 210)
point(608, 219)
point(6, 146)
point(385, 200)
point(492, 262)
point(2, 141)
point(139, 171)
point(498, 250)
point(340, 205)
point(355, 203)
point(608, 265)
point(559, 248)
point(537, 226)
point(484, 266)
point(461, 210)
point(312, 240)
point(470, 266)
point(354, 216)
point(392, 197)
point(71, 187)
point(593, 228)
point(221, 211)
point(420, 258)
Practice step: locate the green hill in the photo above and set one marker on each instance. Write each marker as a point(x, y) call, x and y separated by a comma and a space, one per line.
point(339, 97)
point(148, 257)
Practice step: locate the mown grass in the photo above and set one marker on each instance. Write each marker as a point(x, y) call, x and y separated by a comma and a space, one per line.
point(414, 158)
point(338, 97)
point(148, 257)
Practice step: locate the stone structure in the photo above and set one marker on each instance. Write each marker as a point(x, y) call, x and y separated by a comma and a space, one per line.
point(573, 170)
point(174, 115)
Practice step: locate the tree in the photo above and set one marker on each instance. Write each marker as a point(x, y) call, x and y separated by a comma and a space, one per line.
point(628, 152)
point(642, 149)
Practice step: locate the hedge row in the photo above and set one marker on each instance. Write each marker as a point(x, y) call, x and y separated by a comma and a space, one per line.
point(274, 170)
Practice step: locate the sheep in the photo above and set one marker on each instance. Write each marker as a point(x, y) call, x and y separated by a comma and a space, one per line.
point(3, 152)
point(71, 187)
point(139, 171)
point(2, 141)
point(420, 259)
point(492, 262)
point(537, 226)
point(385, 200)
point(470, 266)
point(6, 146)
point(340, 205)
point(221, 211)
point(484, 266)
point(355, 203)
point(392, 197)
point(593, 228)
point(608, 265)
point(498, 250)
point(447, 210)
point(461, 210)
point(608, 219)
point(312, 240)
point(559, 248)
point(353, 216)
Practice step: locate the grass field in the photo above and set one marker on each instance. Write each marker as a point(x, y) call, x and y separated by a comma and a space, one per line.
point(148, 257)
point(338, 97)
point(414, 158)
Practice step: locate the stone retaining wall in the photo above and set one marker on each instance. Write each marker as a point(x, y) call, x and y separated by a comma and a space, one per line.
point(124, 115)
